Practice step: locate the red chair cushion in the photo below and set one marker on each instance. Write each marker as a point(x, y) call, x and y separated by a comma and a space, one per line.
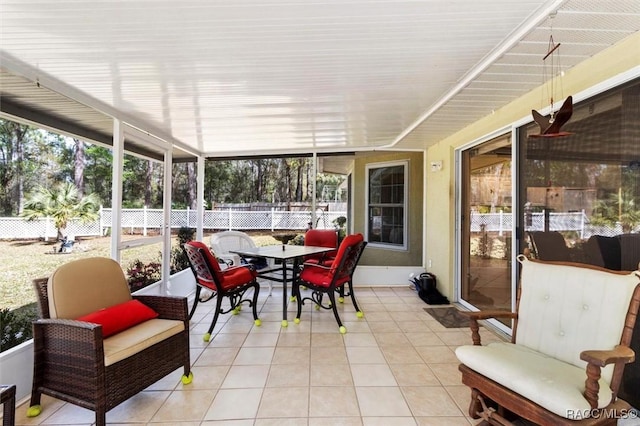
point(319, 276)
point(229, 278)
point(237, 276)
point(213, 261)
point(325, 261)
point(117, 318)
point(321, 238)
point(322, 276)
point(348, 241)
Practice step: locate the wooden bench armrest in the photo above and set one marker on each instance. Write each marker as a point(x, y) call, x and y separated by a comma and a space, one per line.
point(476, 316)
point(597, 359)
point(493, 313)
point(620, 353)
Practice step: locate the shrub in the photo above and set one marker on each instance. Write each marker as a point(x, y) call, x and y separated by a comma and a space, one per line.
point(298, 240)
point(15, 325)
point(179, 259)
point(141, 275)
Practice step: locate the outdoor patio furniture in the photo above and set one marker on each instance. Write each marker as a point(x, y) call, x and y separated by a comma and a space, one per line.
point(549, 245)
point(328, 279)
point(570, 344)
point(8, 401)
point(603, 251)
point(96, 345)
point(232, 283)
point(620, 252)
point(289, 257)
point(222, 243)
point(321, 238)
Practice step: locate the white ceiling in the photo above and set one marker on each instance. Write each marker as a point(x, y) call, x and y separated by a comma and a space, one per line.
point(247, 77)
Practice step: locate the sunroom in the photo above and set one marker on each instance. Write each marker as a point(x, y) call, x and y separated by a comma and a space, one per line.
point(444, 91)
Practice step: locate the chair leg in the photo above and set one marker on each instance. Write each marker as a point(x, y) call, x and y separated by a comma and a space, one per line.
point(474, 405)
point(359, 313)
point(195, 302)
point(256, 290)
point(35, 408)
point(101, 418)
point(207, 336)
point(332, 299)
point(296, 293)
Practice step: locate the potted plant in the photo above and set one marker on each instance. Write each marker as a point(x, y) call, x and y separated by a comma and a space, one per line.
point(340, 225)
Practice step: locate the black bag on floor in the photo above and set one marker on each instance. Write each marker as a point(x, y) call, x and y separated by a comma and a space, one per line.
point(427, 290)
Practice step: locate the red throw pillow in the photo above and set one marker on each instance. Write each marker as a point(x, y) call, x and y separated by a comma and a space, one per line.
point(117, 318)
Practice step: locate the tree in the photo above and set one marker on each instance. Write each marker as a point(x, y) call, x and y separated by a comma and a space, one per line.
point(621, 207)
point(63, 204)
point(97, 173)
point(78, 166)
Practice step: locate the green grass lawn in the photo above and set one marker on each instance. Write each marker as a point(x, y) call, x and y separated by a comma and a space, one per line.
point(23, 260)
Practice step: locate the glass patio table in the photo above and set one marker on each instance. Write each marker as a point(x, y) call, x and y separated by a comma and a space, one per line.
point(282, 253)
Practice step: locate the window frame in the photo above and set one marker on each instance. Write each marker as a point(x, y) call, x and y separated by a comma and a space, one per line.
point(404, 205)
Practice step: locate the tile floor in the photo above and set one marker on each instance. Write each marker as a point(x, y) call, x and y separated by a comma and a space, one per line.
point(395, 366)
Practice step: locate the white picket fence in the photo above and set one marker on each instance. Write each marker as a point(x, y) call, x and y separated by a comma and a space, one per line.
point(572, 221)
point(145, 220)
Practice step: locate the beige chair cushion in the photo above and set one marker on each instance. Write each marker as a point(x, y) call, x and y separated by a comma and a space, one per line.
point(135, 339)
point(83, 286)
point(552, 384)
point(565, 310)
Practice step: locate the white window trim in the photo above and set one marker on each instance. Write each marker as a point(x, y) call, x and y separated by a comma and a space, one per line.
point(405, 230)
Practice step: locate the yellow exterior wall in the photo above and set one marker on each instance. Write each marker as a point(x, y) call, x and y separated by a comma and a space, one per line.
point(440, 210)
point(382, 257)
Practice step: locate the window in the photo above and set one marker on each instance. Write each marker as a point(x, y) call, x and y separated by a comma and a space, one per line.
point(586, 185)
point(386, 204)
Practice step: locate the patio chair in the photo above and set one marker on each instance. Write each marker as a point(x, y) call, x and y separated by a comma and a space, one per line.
point(549, 245)
point(328, 279)
point(570, 344)
point(96, 345)
point(321, 238)
point(231, 283)
point(223, 242)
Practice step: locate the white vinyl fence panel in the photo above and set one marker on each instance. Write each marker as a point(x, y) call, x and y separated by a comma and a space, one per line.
point(144, 220)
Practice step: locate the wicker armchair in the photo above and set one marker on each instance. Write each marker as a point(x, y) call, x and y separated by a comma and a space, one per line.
point(77, 362)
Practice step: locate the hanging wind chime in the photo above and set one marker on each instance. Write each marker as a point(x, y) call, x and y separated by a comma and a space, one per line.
point(551, 125)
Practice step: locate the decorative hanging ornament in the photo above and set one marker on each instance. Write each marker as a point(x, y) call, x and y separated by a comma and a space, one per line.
point(551, 125)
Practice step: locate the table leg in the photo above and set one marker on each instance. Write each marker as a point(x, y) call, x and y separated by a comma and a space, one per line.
point(285, 323)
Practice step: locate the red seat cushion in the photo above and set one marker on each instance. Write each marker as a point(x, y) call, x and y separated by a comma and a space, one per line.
point(325, 261)
point(237, 276)
point(117, 318)
point(322, 276)
point(229, 278)
point(319, 276)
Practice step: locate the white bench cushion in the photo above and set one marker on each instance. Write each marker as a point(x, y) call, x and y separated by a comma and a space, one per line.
point(137, 338)
point(565, 310)
point(552, 384)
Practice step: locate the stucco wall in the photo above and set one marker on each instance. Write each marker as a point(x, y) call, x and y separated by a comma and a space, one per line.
point(440, 211)
point(379, 256)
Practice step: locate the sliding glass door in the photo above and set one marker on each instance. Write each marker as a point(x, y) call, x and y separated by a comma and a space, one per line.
point(486, 224)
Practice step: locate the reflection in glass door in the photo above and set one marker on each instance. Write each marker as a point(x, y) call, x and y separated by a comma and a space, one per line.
point(486, 213)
